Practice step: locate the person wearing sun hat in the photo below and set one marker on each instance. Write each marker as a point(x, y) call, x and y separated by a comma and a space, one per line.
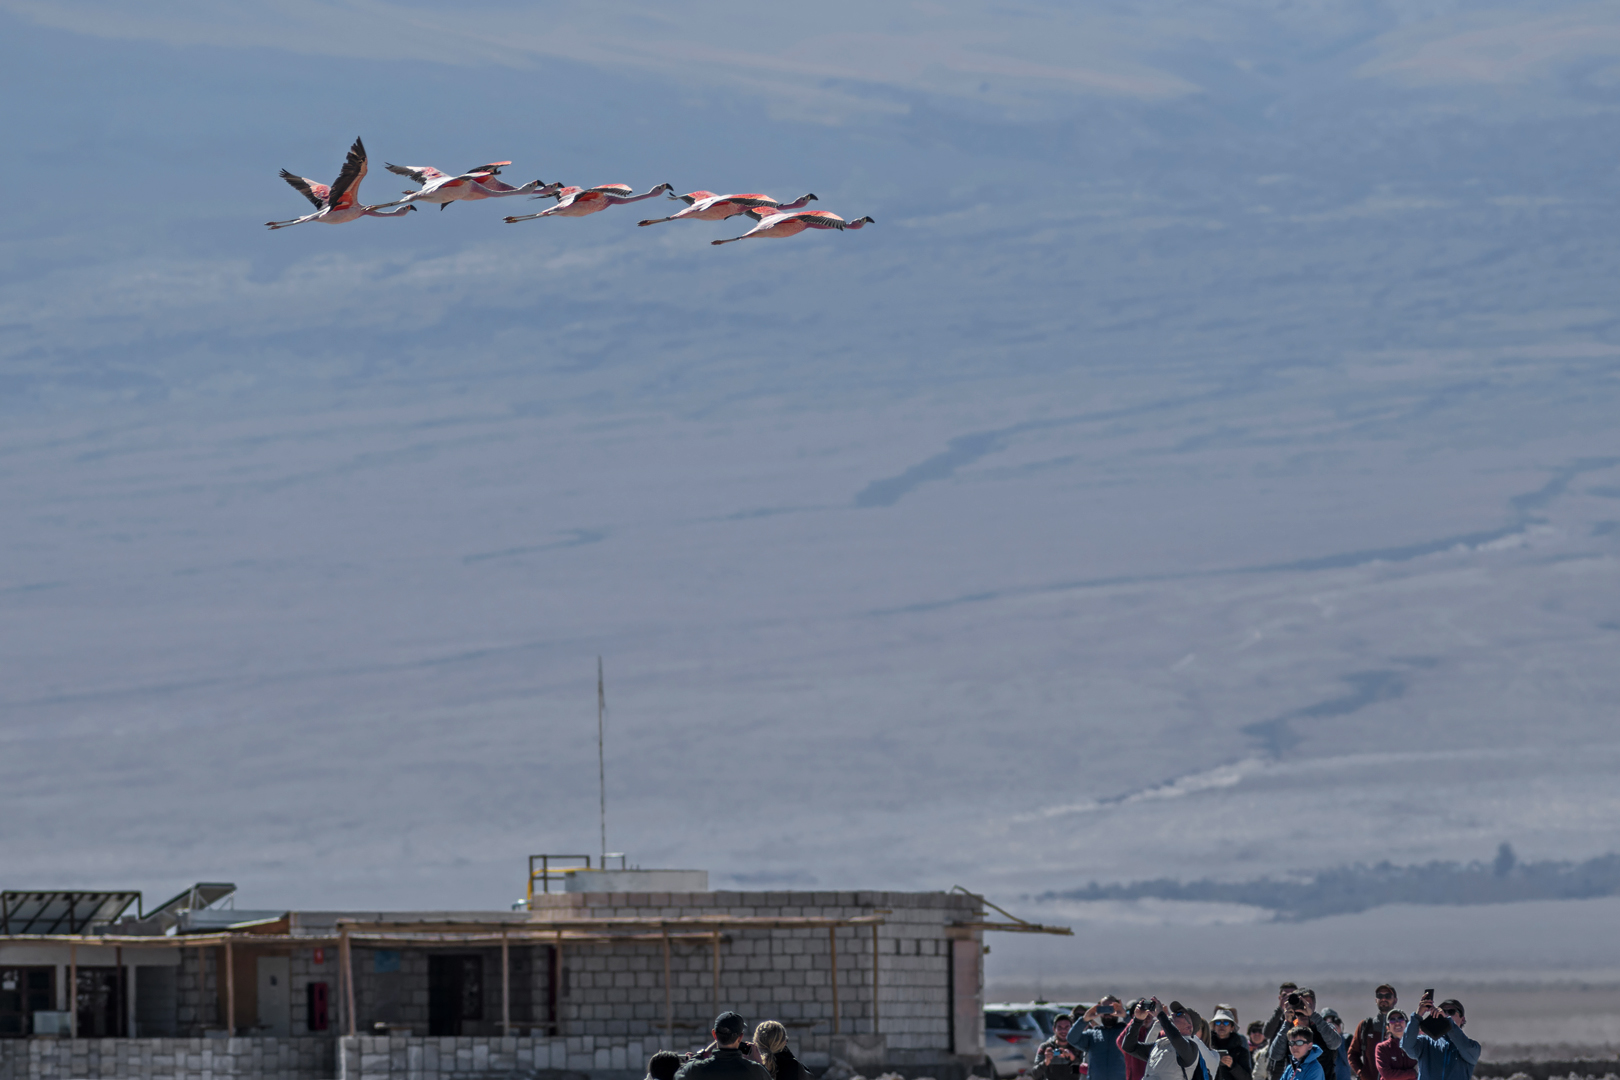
point(1232, 1047)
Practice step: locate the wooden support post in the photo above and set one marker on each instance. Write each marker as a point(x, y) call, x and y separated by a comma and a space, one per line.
point(562, 988)
point(202, 975)
point(874, 979)
point(669, 1000)
point(506, 985)
point(347, 956)
point(832, 947)
point(119, 1028)
point(717, 973)
point(230, 991)
point(73, 989)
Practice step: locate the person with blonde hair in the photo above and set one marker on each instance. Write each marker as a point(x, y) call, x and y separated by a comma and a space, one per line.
point(771, 1038)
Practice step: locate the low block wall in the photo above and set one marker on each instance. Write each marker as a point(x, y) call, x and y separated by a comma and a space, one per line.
point(168, 1059)
point(414, 1057)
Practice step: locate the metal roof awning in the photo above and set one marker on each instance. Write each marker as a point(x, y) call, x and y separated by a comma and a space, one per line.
point(60, 912)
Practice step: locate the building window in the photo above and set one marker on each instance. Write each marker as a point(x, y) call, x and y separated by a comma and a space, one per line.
point(23, 992)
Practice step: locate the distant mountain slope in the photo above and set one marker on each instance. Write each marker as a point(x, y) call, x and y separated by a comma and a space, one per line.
point(1359, 887)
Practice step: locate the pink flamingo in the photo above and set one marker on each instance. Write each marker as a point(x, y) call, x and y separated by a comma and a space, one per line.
point(341, 202)
point(707, 206)
point(476, 183)
point(577, 201)
point(773, 224)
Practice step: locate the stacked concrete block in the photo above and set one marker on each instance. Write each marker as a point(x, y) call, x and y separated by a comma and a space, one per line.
point(167, 1059)
point(401, 1057)
point(617, 991)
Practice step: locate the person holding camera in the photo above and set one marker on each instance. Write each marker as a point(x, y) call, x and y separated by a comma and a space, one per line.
point(729, 1059)
point(1176, 1053)
point(1232, 1047)
point(1369, 1033)
point(1437, 1043)
point(1280, 1015)
point(1299, 1011)
point(1096, 1034)
point(1055, 1059)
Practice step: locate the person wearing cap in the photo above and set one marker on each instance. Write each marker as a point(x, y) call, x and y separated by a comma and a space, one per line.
point(1232, 1048)
point(1341, 1053)
point(1391, 1061)
point(1167, 1044)
point(1096, 1034)
point(1369, 1033)
point(1304, 1056)
point(1437, 1043)
point(727, 1062)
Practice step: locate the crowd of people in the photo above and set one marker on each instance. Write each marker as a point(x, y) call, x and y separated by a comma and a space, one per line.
point(732, 1057)
point(1146, 1039)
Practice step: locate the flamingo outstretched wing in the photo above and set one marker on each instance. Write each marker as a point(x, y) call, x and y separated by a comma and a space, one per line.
point(346, 188)
point(309, 189)
point(493, 168)
point(420, 173)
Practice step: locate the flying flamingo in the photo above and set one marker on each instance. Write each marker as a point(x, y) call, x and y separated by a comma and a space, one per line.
point(577, 201)
point(707, 206)
point(341, 202)
point(476, 183)
point(773, 224)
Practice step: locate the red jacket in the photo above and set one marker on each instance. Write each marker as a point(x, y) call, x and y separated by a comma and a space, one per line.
point(1393, 1063)
point(1135, 1066)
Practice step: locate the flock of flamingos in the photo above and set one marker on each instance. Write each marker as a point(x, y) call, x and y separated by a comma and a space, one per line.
point(340, 201)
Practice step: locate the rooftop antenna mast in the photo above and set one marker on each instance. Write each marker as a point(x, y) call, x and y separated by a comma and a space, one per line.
point(601, 755)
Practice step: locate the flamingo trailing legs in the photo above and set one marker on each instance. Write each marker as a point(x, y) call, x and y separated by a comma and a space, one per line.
point(707, 206)
point(773, 225)
point(476, 183)
point(341, 201)
point(578, 201)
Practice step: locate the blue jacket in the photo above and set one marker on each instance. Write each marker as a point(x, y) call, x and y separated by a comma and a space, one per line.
point(1104, 1059)
point(1309, 1069)
point(1450, 1057)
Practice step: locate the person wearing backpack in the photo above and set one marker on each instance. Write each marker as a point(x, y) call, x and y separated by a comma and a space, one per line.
point(1167, 1044)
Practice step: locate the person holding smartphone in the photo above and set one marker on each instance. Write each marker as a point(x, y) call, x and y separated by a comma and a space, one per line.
point(1437, 1043)
point(1096, 1033)
point(1232, 1047)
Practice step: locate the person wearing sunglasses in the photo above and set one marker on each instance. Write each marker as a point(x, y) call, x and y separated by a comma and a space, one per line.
point(1176, 1053)
point(1369, 1033)
point(1232, 1047)
point(1437, 1043)
point(1390, 1059)
point(1304, 1056)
